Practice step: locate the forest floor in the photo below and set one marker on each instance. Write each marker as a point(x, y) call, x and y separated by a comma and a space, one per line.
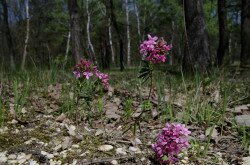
point(42, 123)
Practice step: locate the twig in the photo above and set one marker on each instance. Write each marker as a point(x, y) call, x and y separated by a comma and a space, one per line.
point(102, 160)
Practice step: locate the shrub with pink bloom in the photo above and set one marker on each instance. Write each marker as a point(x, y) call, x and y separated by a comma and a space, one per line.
point(170, 142)
point(155, 50)
point(86, 70)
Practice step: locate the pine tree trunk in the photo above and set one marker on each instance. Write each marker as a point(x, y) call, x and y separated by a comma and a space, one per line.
point(128, 35)
point(196, 56)
point(75, 29)
point(245, 34)
point(27, 35)
point(88, 35)
point(223, 33)
point(8, 34)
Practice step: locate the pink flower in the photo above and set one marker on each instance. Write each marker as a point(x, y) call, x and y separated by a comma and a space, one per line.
point(87, 74)
point(154, 49)
point(77, 74)
point(170, 142)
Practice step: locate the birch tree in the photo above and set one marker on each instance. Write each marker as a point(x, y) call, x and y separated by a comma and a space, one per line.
point(27, 34)
point(90, 46)
point(128, 34)
point(137, 20)
point(111, 42)
point(67, 50)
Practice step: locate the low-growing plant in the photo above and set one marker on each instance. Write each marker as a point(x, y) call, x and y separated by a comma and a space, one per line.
point(171, 141)
point(89, 81)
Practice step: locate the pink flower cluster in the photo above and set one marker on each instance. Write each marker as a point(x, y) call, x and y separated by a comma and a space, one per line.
point(86, 70)
point(170, 142)
point(154, 49)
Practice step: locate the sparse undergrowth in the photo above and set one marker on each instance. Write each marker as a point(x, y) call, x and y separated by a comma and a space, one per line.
point(52, 124)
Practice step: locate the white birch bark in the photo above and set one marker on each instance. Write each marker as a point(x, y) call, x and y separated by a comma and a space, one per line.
point(138, 20)
point(27, 34)
point(88, 34)
point(67, 51)
point(128, 35)
point(111, 42)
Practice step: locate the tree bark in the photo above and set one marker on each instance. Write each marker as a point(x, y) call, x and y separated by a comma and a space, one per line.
point(197, 56)
point(223, 33)
point(88, 35)
point(114, 23)
point(111, 42)
point(138, 20)
point(8, 34)
point(67, 51)
point(245, 33)
point(128, 35)
point(74, 13)
point(27, 35)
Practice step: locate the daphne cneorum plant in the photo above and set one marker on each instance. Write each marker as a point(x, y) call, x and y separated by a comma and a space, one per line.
point(172, 140)
point(85, 70)
point(154, 51)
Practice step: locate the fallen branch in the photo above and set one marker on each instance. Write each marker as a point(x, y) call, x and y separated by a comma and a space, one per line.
point(103, 160)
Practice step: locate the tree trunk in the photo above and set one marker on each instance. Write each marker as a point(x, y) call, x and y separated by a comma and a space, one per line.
point(27, 35)
point(67, 51)
point(196, 54)
point(245, 33)
point(88, 35)
point(111, 42)
point(8, 34)
point(128, 35)
point(223, 33)
point(138, 21)
point(74, 13)
point(114, 22)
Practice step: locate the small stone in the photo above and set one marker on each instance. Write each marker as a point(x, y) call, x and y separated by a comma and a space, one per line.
point(13, 121)
point(33, 162)
point(27, 157)
point(17, 131)
point(74, 162)
point(23, 111)
point(12, 156)
point(44, 153)
point(66, 143)
point(99, 132)
point(11, 161)
point(105, 148)
point(120, 151)
point(184, 161)
point(50, 156)
point(58, 147)
point(21, 161)
point(114, 162)
point(21, 156)
point(185, 158)
point(3, 159)
point(61, 118)
point(75, 146)
point(246, 160)
point(243, 120)
point(133, 149)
